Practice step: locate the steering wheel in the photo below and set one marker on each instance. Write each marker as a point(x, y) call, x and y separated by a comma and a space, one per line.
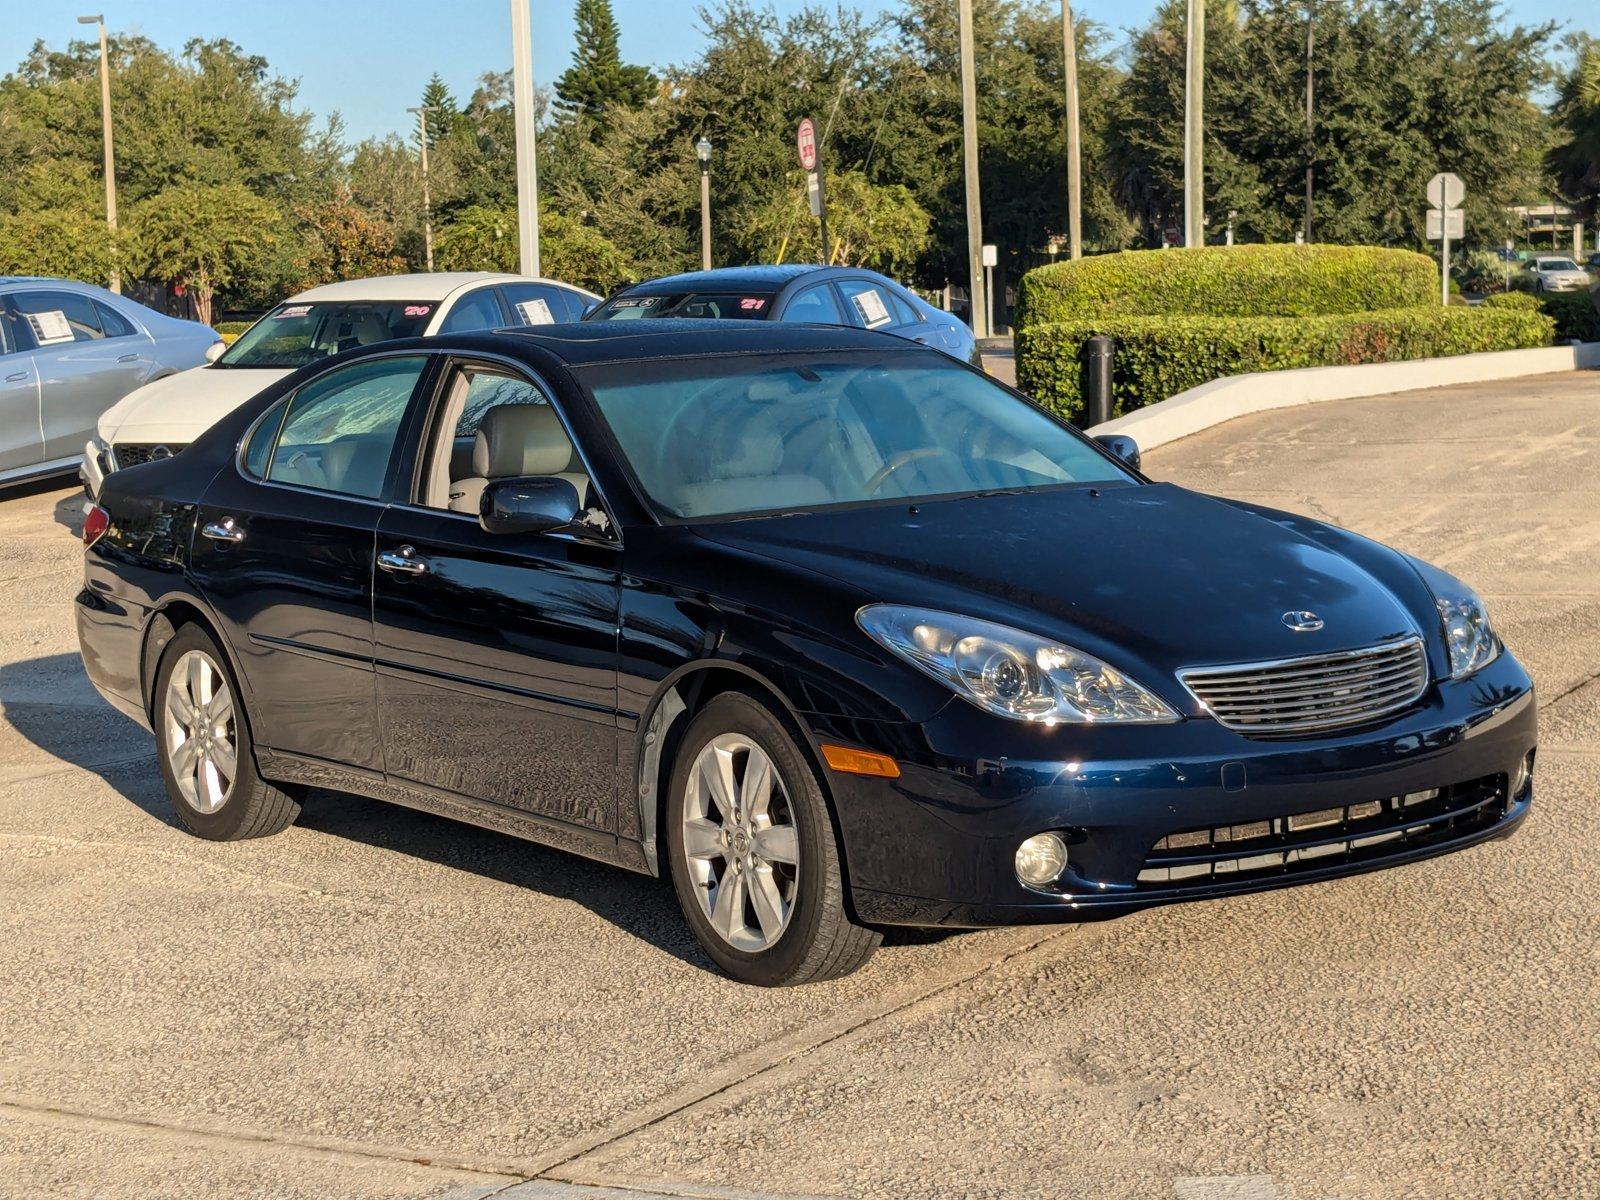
point(881, 475)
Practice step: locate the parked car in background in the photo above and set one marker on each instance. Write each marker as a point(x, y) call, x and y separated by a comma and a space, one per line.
point(68, 352)
point(834, 632)
point(795, 292)
point(159, 421)
point(1554, 274)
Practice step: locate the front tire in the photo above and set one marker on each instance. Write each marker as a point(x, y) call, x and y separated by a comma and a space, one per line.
point(754, 858)
point(205, 749)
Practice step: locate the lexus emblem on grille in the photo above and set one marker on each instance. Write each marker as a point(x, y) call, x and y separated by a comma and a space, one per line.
point(1302, 622)
point(157, 453)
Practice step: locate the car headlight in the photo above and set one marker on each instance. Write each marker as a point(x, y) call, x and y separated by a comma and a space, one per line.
point(1469, 639)
point(1009, 672)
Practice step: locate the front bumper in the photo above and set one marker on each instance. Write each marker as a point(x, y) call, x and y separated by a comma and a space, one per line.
point(94, 468)
point(937, 845)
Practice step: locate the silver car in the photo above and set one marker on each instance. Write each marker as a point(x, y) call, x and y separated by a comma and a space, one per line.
point(68, 352)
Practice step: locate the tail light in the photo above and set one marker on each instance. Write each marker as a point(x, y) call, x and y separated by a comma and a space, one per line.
point(95, 523)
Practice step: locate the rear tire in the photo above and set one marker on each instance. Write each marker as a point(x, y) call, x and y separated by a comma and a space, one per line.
point(206, 752)
point(754, 857)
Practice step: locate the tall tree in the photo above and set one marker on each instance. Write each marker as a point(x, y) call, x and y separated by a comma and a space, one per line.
point(1402, 90)
point(598, 80)
point(1575, 158)
point(204, 236)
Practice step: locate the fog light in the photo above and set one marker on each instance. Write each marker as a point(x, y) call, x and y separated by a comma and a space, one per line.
point(1519, 781)
point(1041, 858)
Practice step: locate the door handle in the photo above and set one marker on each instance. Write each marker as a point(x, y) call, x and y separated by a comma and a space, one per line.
point(403, 561)
point(128, 358)
point(18, 377)
point(222, 531)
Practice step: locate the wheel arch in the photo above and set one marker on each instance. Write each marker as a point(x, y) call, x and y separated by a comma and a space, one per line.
point(678, 699)
point(171, 614)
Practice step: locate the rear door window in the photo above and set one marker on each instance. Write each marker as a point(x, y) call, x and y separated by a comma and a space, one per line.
point(540, 304)
point(869, 304)
point(475, 310)
point(56, 318)
point(340, 430)
point(817, 305)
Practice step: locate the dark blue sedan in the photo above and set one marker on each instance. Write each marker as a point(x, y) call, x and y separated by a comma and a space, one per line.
point(795, 292)
point(833, 631)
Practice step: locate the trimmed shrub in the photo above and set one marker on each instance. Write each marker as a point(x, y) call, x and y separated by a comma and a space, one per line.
point(1160, 356)
point(1522, 301)
point(1575, 315)
point(1229, 281)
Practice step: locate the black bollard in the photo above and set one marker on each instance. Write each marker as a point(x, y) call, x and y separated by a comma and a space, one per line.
point(1099, 354)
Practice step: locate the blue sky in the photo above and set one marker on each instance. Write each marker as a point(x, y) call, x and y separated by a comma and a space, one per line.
point(369, 61)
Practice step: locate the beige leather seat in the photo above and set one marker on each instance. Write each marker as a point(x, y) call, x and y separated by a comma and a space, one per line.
point(516, 440)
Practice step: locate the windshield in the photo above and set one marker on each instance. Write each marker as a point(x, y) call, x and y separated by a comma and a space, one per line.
point(1557, 264)
point(295, 334)
point(744, 306)
point(708, 437)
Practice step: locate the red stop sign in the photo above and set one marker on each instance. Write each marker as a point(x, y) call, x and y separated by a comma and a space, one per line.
point(805, 140)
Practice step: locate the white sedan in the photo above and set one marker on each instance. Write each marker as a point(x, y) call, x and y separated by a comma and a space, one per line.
point(161, 418)
point(1557, 275)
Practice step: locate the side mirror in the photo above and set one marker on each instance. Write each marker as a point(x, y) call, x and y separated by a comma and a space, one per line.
point(1123, 446)
point(215, 351)
point(589, 308)
point(535, 504)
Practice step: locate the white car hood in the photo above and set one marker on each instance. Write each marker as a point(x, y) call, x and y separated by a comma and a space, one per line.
point(181, 407)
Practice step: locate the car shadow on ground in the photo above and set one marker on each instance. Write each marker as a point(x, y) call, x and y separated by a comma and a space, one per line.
point(68, 511)
point(122, 754)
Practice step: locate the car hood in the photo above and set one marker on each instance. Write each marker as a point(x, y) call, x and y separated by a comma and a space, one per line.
point(179, 408)
point(1152, 578)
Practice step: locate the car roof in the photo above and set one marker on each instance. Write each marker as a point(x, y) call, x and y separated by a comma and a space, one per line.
point(6, 280)
point(733, 279)
point(436, 285)
point(581, 343)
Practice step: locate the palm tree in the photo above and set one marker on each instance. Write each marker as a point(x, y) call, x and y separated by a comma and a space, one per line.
point(1576, 157)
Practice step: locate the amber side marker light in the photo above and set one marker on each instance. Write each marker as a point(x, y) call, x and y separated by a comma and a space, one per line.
point(860, 762)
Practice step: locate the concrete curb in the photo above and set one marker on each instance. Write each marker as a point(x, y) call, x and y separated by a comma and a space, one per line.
point(1239, 395)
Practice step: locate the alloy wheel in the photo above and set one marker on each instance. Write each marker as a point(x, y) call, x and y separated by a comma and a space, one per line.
point(740, 840)
point(199, 726)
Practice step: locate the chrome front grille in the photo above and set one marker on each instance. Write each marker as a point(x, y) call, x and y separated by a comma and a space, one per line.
point(1318, 692)
point(131, 454)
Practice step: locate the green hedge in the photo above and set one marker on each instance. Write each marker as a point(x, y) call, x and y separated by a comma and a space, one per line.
point(1229, 281)
point(1158, 357)
point(233, 327)
point(1576, 317)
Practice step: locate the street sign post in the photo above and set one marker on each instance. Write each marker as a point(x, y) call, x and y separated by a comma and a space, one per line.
point(1445, 193)
point(991, 257)
point(805, 142)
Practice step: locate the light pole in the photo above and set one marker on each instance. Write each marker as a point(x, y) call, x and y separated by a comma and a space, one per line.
point(1311, 145)
point(1069, 58)
point(1194, 126)
point(702, 151)
point(527, 137)
point(969, 154)
point(422, 111)
point(105, 126)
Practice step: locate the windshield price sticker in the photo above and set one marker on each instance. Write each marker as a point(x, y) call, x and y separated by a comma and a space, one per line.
point(753, 303)
point(50, 327)
point(637, 302)
point(536, 312)
point(291, 310)
point(418, 310)
point(873, 310)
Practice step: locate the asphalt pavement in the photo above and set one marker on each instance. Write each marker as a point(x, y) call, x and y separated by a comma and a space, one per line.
point(378, 1003)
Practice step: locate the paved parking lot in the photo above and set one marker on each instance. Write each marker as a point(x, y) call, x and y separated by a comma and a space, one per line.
point(382, 1004)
